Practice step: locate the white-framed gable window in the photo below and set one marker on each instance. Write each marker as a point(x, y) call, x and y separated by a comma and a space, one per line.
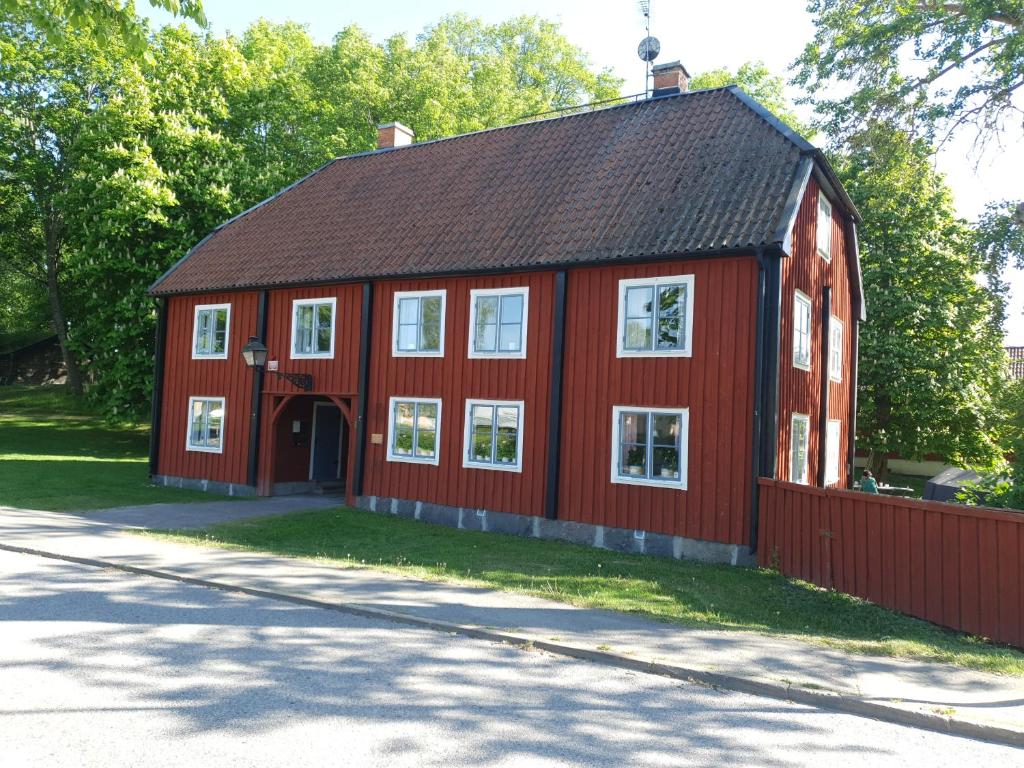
point(824, 228)
point(414, 429)
point(800, 433)
point(655, 317)
point(494, 435)
point(835, 348)
point(498, 322)
point(649, 446)
point(313, 327)
point(801, 331)
point(210, 331)
point(418, 328)
point(833, 430)
point(205, 424)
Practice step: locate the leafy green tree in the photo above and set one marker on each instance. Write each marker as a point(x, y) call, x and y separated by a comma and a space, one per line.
point(1003, 486)
point(931, 358)
point(759, 82)
point(924, 65)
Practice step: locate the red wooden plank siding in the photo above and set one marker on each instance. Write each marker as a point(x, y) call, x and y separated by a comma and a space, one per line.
point(799, 390)
point(716, 384)
point(961, 567)
point(185, 378)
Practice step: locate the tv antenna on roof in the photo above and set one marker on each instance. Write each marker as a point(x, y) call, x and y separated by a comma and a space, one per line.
point(649, 47)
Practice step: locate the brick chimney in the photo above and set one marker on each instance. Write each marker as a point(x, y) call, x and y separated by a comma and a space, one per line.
point(394, 135)
point(670, 78)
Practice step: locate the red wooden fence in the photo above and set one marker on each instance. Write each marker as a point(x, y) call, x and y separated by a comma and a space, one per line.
point(962, 567)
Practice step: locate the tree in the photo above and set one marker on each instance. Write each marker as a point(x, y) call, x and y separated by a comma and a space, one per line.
point(758, 81)
point(923, 65)
point(931, 358)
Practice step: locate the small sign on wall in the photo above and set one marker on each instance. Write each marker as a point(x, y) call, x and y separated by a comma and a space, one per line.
point(272, 365)
point(377, 438)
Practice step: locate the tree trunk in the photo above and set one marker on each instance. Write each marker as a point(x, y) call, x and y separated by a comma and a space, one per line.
point(878, 464)
point(60, 325)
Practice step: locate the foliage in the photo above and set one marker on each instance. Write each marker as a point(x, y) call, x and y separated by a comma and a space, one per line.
point(931, 353)
point(683, 592)
point(1003, 487)
point(926, 66)
point(759, 82)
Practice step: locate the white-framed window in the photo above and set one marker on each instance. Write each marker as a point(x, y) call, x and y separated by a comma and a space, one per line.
point(835, 348)
point(210, 331)
point(801, 331)
point(494, 435)
point(655, 317)
point(205, 424)
point(498, 322)
point(824, 229)
point(313, 327)
point(800, 432)
point(833, 429)
point(418, 328)
point(649, 446)
point(414, 430)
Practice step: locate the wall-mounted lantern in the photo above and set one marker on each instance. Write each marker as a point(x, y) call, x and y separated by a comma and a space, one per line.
point(255, 355)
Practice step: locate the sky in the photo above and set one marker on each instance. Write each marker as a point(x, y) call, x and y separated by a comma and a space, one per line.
point(702, 35)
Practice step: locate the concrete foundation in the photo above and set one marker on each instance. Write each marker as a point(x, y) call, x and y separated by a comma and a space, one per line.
point(213, 486)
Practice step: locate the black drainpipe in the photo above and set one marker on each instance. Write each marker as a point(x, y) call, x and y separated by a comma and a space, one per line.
point(826, 342)
point(365, 327)
point(555, 411)
point(755, 491)
point(256, 410)
point(852, 449)
point(158, 387)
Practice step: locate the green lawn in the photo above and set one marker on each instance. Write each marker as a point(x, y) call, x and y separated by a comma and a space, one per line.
point(681, 592)
point(57, 455)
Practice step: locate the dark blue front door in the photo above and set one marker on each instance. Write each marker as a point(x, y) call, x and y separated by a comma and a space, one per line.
point(326, 443)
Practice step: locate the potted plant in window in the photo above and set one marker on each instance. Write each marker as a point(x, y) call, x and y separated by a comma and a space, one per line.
point(635, 461)
point(670, 467)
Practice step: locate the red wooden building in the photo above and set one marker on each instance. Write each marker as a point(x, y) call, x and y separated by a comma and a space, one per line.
point(603, 327)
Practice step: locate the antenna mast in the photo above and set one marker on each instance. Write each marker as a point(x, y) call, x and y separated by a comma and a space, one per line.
point(649, 47)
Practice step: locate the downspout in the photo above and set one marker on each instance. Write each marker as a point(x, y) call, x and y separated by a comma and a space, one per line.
point(365, 328)
point(255, 407)
point(158, 387)
point(770, 389)
point(852, 448)
point(826, 341)
point(755, 463)
point(555, 410)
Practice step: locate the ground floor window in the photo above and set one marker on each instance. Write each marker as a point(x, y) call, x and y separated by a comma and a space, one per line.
point(494, 435)
point(832, 434)
point(649, 446)
point(799, 437)
point(205, 424)
point(413, 430)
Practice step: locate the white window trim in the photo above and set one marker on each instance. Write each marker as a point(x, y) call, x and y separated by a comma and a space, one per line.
point(684, 443)
point(833, 323)
point(798, 298)
point(467, 433)
point(830, 477)
point(188, 424)
point(195, 332)
point(624, 285)
point(826, 255)
point(413, 459)
point(296, 303)
point(476, 293)
point(398, 296)
point(802, 417)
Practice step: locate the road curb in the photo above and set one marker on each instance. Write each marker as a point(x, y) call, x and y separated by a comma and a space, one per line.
point(823, 699)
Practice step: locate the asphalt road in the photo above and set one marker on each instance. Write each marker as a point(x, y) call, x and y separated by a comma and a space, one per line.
point(102, 668)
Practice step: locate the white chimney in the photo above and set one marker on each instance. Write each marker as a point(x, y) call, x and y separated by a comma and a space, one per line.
point(394, 135)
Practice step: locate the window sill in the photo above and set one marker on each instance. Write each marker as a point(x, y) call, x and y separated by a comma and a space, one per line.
point(467, 464)
point(672, 485)
point(497, 355)
point(798, 366)
point(218, 356)
point(397, 353)
point(652, 353)
point(311, 356)
point(432, 462)
point(198, 449)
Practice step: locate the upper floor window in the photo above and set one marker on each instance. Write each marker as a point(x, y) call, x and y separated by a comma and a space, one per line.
point(210, 331)
point(498, 322)
point(494, 435)
point(824, 227)
point(413, 429)
point(800, 430)
point(835, 348)
point(655, 317)
point(313, 327)
point(801, 331)
point(833, 430)
point(649, 446)
point(418, 324)
point(205, 424)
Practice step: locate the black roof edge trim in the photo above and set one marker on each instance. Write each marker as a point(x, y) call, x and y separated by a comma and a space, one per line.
point(833, 188)
point(772, 120)
point(152, 288)
point(851, 233)
point(735, 251)
point(783, 235)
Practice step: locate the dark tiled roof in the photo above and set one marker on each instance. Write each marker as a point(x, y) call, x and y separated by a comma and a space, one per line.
point(694, 172)
point(1016, 362)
